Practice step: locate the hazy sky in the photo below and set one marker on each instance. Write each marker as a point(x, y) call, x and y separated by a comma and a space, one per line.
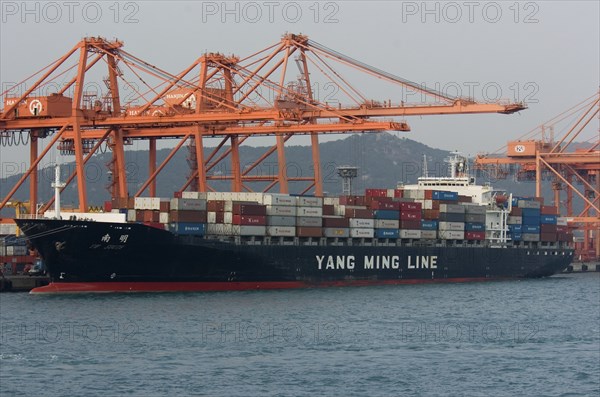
point(545, 53)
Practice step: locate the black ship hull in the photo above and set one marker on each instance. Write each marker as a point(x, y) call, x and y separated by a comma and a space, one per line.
point(83, 256)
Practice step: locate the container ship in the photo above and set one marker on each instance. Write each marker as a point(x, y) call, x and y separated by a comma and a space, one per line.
point(441, 229)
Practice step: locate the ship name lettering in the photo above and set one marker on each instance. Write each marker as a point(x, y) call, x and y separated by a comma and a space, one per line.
point(382, 262)
point(422, 262)
point(337, 262)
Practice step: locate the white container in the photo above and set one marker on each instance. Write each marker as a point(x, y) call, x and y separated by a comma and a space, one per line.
point(194, 195)
point(276, 220)
point(410, 233)
point(561, 221)
point(452, 208)
point(429, 234)
point(244, 230)
point(362, 223)
point(427, 204)
point(219, 229)
point(146, 203)
point(309, 211)
point(387, 224)
point(211, 217)
point(514, 220)
point(281, 231)
point(309, 201)
point(163, 217)
point(228, 217)
point(131, 215)
point(457, 226)
point(305, 221)
point(331, 200)
point(451, 235)
point(474, 208)
point(339, 232)
point(361, 232)
point(280, 210)
point(279, 199)
point(8, 228)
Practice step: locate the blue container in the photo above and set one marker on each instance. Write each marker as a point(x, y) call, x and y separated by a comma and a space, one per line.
point(516, 237)
point(515, 228)
point(442, 195)
point(531, 229)
point(428, 225)
point(387, 214)
point(188, 228)
point(531, 220)
point(474, 227)
point(548, 219)
point(387, 233)
point(529, 212)
point(123, 210)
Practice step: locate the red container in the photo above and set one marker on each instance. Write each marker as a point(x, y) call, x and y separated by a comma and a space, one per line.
point(549, 210)
point(516, 211)
point(187, 216)
point(220, 217)
point(435, 205)
point(336, 222)
point(304, 231)
point(359, 213)
point(549, 237)
point(150, 216)
point(410, 206)
point(177, 194)
point(139, 215)
point(398, 193)
point(328, 209)
point(428, 194)
point(249, 209)
point(108, 206)
point(410, 225)
point(544, 228)
point(385, 205)
point(376, 192)
point(131, 202)
point(464, 199)
point(410, 215)
point(215, 205)
point(165, 206)
point(539, 200)
point(564, 236)
point(475, 235)
point(562, 229)
point(352, 200)
point(431, 215)
point(249, 220)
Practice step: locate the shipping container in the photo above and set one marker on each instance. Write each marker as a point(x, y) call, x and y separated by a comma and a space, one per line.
point(309, 231)
point(219, 229)
point(549, 210)
point(474, 227)
point(163, 217)
point(516, 211)
point(530, 237)
point(309, 221)
point(548, 228)
point(194, 195)
point(529, 204)
point(386, 233)
point(515, 228)
point(443, 195)
point(328, 209)
point(361, 223)
point(457, 226)
point(247, 230)
point(352, 200)
point(429, 234)
point(431, 214)
point(250, 220)
point(147, 203)
point(514, 220)
point(249, 209)
point(473, 235)
point(387, 224)
point(309, 211)
point(385, 205)
point(548, 237)
point(275, 220)
point(475, 218)
point(451, 235)
point(336, 222)
point(410, 215)
point(362, 233)
point(281, 231)
point(531, 220)
point(376, 192)
point(216, 205)
point(181, 204)
point(188, 216)
point(475, 209)
point(359, 213)
point(307, 201)
point(452, 208)
point(339, 232)
point(410, 206)
point(531, 212)
point(452, 217)
point(429, 225)
point(562, 221)
point(410, 225)
point(188, 228)
point(388, 214)
point(280, 210)
point(548, 219)
point(407, 233)
point(530, 229)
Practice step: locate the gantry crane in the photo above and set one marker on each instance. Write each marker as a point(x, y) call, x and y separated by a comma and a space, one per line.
point(223, 97)
point(538, 157)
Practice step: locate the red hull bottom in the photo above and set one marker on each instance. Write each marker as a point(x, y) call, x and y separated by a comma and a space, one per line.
point(122, 287)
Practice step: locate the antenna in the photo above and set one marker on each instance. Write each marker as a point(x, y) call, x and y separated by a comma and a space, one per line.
point(425, 171)
point(347, 173)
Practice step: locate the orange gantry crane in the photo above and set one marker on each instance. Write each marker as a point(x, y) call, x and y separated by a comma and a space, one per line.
point(221, 97)
point(573, 171)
